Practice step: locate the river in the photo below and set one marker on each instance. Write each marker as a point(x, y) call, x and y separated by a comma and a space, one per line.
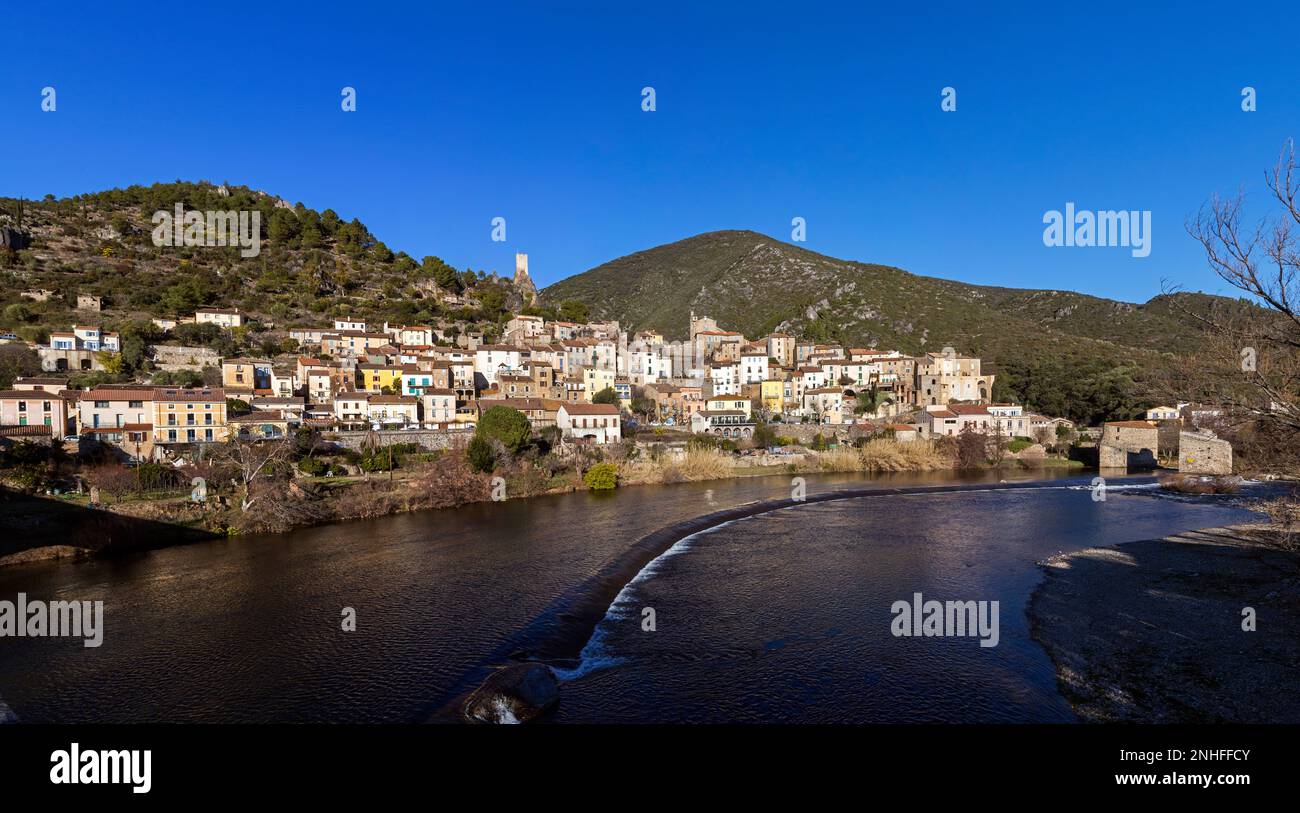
point(780, 617)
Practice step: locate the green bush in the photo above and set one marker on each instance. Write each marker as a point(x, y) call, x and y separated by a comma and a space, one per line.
point(312, 466)
point(601, 477)
point(711, 442)
point(481, 454)
point(510, 426)
point(1019, 445)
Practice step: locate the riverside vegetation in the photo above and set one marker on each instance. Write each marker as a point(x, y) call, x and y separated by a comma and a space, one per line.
point(274, 486)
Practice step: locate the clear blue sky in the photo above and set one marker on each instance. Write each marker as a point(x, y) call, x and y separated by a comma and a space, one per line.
point(765, 112)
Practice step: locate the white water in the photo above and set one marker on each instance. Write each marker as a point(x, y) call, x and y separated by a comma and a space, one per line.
point(594, 656)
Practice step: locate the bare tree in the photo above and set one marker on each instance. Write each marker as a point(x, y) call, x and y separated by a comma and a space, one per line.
point(254, 461)
point(1250, 365)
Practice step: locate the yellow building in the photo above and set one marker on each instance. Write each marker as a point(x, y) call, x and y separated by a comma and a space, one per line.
point(374, 377)
point(729, 403)
point(189, 415)
point(772, 394)
point(595, 380)
point(246, 375)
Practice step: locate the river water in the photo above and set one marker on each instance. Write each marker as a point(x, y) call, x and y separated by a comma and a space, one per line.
point(784, 616)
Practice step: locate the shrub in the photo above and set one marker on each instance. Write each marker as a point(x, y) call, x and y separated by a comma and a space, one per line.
point(312, 466)
point(972, 449)
point(711, 442)
point(480, 454)
point(1284, 514)
point(601, 477)
point(510, 426)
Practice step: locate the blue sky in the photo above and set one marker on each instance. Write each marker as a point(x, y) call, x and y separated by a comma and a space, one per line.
point(765, 112)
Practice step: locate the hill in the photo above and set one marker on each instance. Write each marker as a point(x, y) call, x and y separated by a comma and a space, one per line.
point(755, 284)
point(1049, 348)
point(312, 265)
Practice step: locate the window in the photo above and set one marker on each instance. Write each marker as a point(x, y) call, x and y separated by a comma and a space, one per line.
point(101, 405)
point(135, 404)
point(22, 406)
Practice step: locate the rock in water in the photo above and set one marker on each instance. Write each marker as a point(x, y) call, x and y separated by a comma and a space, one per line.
point(7, 714)
point(515, 694)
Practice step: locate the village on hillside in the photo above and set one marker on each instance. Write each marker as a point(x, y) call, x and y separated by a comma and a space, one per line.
point(590, 383)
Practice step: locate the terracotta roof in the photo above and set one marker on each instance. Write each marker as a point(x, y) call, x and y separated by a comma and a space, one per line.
point(591, 409)
point(28, 431)
point(176, 394)
point(118, 394)
point(520, 404)
point(29, 395)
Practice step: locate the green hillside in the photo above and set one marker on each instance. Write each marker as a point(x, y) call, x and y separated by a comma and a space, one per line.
point(1055, 349)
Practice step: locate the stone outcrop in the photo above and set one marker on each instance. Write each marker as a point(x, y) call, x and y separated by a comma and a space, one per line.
point(13, 239)
point(515, 694)
point(1203, 452)
point(524, 283)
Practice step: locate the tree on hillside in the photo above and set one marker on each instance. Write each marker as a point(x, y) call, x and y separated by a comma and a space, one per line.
point(16, 360)
point(448, 278)
point(571, 310)
point(509, 426)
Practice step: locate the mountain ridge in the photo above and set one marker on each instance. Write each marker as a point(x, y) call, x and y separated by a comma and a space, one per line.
point(756, 284)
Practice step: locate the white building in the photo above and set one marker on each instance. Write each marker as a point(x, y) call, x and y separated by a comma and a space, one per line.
point(598, 423)
point(753, 368)
point(85, 337)
point(646, 365)
point(489, 359)
point(1011, 420)
point(725, 377)
point(219, 317)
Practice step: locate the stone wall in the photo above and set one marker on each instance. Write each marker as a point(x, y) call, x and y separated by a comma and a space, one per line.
point(173, 357)
point(430, 439)
point(1128, 445)
point(1204, 453)
point(804, 432)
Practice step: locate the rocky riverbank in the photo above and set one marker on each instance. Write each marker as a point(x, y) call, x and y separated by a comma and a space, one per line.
point(1196, 627)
